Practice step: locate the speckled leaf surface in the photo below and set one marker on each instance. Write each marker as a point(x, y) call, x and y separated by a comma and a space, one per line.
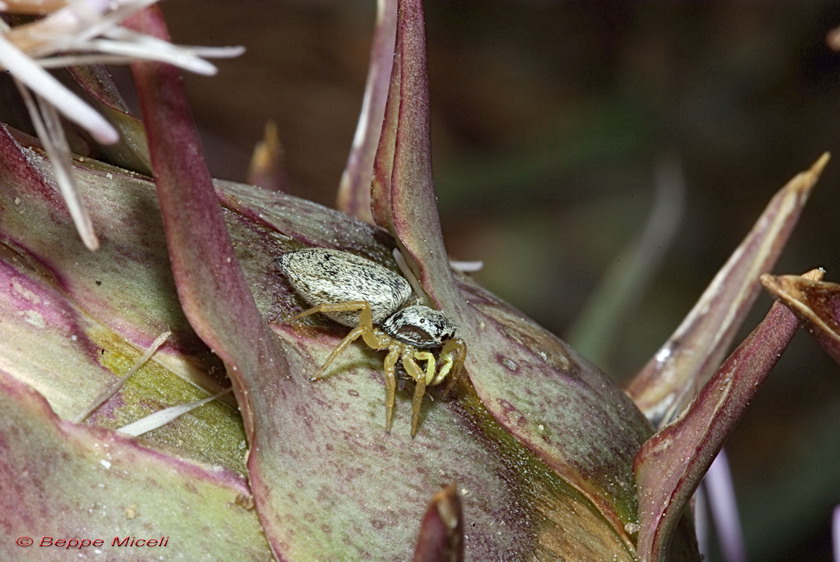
point(816, 302)
point(81, 482)
point(47, 341)
point(42, 333)
point(113, 284)
point(558, 405)
point(72, 321)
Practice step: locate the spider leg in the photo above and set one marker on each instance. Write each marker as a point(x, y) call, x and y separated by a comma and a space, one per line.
point(431, 365)
point(350, 338)
point(379, 340)
point(419, 391)
point(455, 352)
point(374, 338)
point(365, 329)
point(413, 369)
point(448, 364)
point(389, 367)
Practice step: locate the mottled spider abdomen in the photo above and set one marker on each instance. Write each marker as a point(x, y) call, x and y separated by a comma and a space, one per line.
point(322, 276)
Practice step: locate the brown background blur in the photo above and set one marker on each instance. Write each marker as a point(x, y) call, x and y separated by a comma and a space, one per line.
point(549, 121)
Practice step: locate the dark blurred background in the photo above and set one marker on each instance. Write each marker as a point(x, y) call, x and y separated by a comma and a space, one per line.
point(550, 120)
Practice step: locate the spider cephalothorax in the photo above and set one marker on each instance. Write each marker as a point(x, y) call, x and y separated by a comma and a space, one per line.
point(372, 299)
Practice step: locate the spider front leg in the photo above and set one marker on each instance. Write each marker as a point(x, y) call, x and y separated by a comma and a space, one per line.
point(389, 368)
point(413, 370)
point(453, 354)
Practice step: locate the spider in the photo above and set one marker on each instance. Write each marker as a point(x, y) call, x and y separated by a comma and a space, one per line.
point(374, 301)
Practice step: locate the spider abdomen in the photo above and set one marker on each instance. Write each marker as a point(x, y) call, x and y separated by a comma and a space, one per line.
point(323, 276)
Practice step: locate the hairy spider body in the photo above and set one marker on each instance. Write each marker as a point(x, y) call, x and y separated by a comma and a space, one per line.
point(372, 299)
